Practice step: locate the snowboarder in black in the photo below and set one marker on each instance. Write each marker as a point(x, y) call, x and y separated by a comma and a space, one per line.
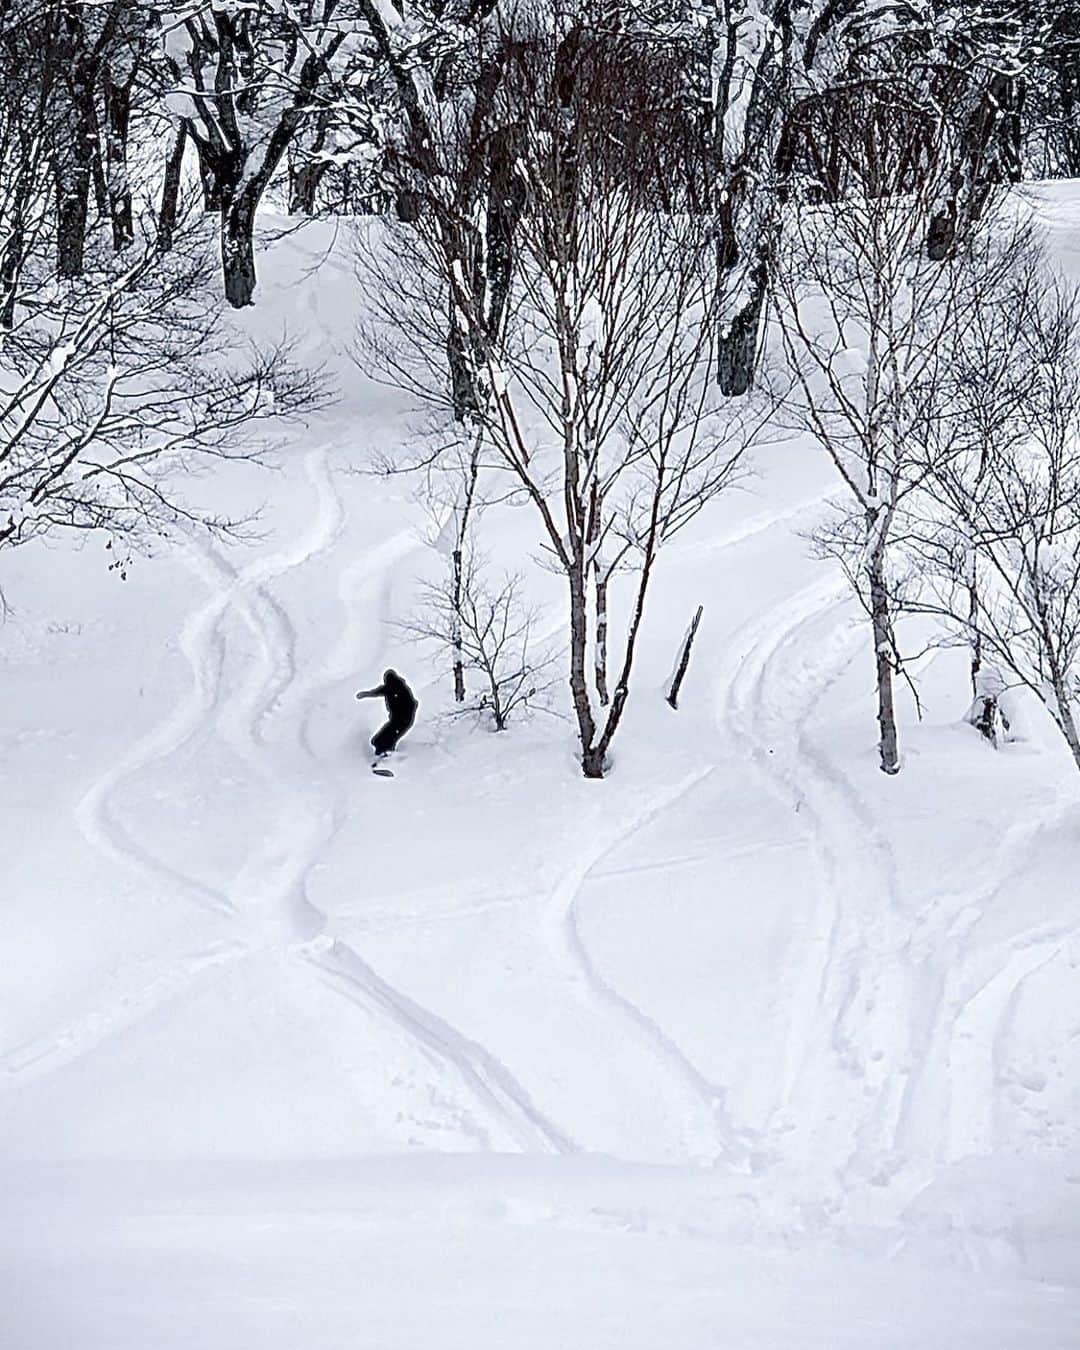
point(401, 708)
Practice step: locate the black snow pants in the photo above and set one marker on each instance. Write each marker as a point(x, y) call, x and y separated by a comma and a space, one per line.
point(388, 735)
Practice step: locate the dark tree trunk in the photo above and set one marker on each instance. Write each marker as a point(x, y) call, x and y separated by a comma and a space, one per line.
point(72, 210)
point(459, 659)
point(213, 189)
point(170, 192)
point(506, 202)
point(239, 205)
point(238, 247)
point(1067, 74)
point(976, 636)
point(235, 169)
point(740, 337)
point(941, 234)
point(117, 122)
point(684, 659)
point(463, 391)
point(408, 206)
point(99, 179)
point(76, 147)
point(592, 762)
point(989, 153)
point(459, 582)
point(983, 713)
point(306, 170)
point(304, 180)
point(11, 259)
point(74, 178)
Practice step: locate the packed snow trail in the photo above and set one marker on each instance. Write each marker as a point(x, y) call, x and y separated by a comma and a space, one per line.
point(951, 1099)
point(490, 1082)
point(55, 1049)
point(697, 1112)
point(264, 720)
point(846, 991)
point(202, 645)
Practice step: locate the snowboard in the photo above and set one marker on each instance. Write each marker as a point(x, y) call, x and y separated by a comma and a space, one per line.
point(380, 772)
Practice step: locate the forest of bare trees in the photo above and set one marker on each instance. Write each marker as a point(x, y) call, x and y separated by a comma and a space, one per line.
point(619, 246)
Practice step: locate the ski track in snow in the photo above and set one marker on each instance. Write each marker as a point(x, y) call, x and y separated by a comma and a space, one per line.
point(698, 1104)
point(850, 971)
point(931, 1015)
point(202, 645)
point(749, 529)
point(55, 1049)
point(846, 986)
point(490, 1083)
point(269, 893)
point(282, 875)
point(270, 885)
point(202, 642)
point(707, 1132)
point(974, 1053)
point(953, 1093)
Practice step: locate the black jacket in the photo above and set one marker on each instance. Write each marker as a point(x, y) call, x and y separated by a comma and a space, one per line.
point(401, 703)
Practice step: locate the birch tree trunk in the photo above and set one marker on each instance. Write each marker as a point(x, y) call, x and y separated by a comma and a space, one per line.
point(600, 661)
point(883, 659)
point(592, 757)
point(463, 521)
point(455, 626)
point(1063, 713)
point(983, 715)
point(740, 336)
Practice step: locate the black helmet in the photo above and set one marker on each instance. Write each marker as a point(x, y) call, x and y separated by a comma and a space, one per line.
point(389, 675)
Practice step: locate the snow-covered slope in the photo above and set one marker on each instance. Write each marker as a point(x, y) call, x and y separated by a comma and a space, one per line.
point(746, 1046)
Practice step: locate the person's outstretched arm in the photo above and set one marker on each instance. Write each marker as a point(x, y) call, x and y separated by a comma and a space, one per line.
point(379, 692)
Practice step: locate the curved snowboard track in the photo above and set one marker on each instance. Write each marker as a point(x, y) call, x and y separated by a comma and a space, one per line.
point(841, 1039)
point(269, 892)
point(951, 1102)
point(697, 1104)
point(708, 1132)
point(55, 1049)
point(495, 1090)
point(202, 645)
point(275, 879)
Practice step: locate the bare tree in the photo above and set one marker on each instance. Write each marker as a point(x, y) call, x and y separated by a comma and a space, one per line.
point(867, 322)
point(1001, 531)
point(454, 495)
point(490, 630)
point(595, 393)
